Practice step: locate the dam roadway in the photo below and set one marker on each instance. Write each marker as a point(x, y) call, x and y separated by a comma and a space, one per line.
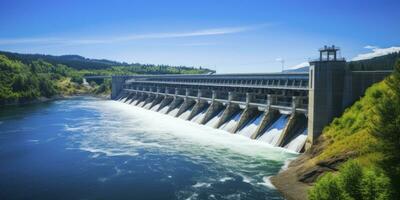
point(283, 109)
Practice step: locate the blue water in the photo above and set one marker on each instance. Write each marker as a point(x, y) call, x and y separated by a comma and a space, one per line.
point(86, 148)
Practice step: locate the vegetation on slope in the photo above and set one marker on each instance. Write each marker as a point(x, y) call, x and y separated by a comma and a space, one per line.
point(103, 66)
point(369, 133)
point(27, 77)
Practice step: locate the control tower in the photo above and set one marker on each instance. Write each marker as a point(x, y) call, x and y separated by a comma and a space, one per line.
point(326, 88)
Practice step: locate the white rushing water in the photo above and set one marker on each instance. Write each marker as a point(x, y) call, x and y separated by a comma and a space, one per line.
point(134, 102)
point(130, 131)
point(214, 121)
point(156, 107)
point(251, 126)
point(272, 135)
point(231, 123)
point(298, 142)
point(164, 110)
point(199, 117)
point(147, 106)
point(153, 126)
point(174, 112)
point(141, 103)
point(186, 114)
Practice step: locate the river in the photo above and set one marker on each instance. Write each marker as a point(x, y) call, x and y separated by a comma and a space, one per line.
point(88, 148)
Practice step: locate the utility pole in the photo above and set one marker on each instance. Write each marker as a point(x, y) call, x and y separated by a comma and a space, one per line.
point(282, 61)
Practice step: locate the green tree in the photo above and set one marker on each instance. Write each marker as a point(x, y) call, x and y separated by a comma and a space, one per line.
point(350, 179)
point(328, 188)
point(387, 127)
point(375, 186)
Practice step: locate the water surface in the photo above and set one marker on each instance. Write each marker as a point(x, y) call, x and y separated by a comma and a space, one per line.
point(86, 148)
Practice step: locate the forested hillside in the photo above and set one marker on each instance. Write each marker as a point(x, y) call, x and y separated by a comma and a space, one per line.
point(367, 137)
point(103, 65)
point(27, 77)
point(357, 156)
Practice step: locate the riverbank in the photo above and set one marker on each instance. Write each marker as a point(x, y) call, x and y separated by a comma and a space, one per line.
point(287, 181)
point(109, 150)
point(54, 98)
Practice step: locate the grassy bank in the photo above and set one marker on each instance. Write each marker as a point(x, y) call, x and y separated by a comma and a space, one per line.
point(357, 156)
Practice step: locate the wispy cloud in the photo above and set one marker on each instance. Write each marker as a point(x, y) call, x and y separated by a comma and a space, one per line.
point(376, 51)
point(370, 47)
point(301, 65)
point(132, 37)
point(198, 44)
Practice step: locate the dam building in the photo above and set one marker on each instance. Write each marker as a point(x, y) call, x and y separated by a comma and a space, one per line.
point(286, 110)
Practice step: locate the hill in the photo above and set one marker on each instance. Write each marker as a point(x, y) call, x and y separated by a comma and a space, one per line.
point(356, 157)
point(29, 77)
point(80, 63)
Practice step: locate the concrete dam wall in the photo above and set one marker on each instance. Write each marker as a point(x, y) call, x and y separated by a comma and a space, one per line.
point(271, 108)
point(267, 125)
point(286, 110)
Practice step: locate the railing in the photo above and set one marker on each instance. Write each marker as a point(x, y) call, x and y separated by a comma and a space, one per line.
point(276, 104)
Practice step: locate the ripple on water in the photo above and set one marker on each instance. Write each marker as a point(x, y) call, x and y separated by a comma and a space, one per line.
point(225, 161)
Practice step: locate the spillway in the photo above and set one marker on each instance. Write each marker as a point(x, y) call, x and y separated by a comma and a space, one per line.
point(134, 102)
point(141, 103)
point(156, 107)
point(273, 133)
point(199, 117)
point(231, 124)
point(298, 142)
point(186, 114)
point(250, 128)
point(164, 110)
point(173, 112)
point(147, 106)
point(245, 121)
point(214, 121)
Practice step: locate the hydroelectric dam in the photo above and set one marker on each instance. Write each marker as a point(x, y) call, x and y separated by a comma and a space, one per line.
point(286, 110)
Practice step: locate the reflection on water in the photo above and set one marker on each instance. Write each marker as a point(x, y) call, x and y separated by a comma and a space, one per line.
point(86, 148)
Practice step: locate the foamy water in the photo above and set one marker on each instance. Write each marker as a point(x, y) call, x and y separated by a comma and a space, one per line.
point(133, 149)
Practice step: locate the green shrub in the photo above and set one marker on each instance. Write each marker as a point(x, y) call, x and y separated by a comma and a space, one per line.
point(350, 179)
point(375, 186)
point(328, 188)
point(352, 183)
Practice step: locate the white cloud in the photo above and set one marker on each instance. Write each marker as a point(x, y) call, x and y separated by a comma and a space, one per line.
point(126, 38)
point(376, 52)
point(370, 47)
point(198, 44)
point(303, 64)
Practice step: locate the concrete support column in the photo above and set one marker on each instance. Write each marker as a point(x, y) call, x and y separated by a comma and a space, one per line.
point(267, 120)
point(165, 102)
point(214, 95)
point(199, 94)
point(294, 104)
point(228, 113)
point(248, 114)
point(249, 97)
point(269, 102)
point(295, 124)
point(230, 96)
point(187, 92)
point(158, 91)
point(176, 92)
point(197, 108)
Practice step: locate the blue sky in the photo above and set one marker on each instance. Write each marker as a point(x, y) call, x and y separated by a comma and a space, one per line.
point(226, 35)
